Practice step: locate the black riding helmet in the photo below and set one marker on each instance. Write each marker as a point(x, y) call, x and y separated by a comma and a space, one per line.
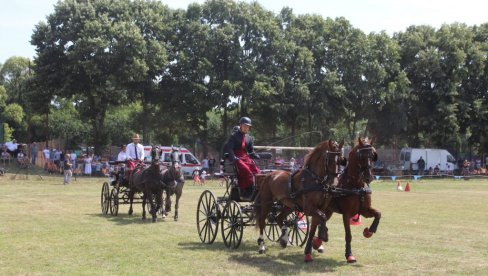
point(246, 121)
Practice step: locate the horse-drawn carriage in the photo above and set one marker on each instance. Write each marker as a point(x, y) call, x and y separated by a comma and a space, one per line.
point(119, 194)
point(317, 190)
point(233, 212)
point(145, 184)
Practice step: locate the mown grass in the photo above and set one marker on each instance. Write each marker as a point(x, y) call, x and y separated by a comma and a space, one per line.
point(439, 228)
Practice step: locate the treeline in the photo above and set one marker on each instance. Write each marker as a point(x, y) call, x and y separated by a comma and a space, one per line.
point(105, 69)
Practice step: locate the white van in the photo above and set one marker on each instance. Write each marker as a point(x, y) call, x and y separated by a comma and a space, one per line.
point(432, 157)
point(189, 163)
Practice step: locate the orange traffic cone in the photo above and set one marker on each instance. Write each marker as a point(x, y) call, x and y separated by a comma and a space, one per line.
point(407, 188)
point(355, 220)
point(399, 186)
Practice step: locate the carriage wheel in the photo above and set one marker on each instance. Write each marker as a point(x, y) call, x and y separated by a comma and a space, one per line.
point(232, 225)
point(105, 198)
point(271, 228)
point(299, 225)
point(207, 217)
point(114, 202)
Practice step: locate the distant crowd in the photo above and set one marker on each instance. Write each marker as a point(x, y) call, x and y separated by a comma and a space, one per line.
point(53, 160)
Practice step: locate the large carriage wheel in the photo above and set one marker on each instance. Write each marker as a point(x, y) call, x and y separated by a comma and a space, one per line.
point(114, 202)
point(207, 217)
point(298, 224)
point(105, 198)
point(271, 228)
point(232, 225)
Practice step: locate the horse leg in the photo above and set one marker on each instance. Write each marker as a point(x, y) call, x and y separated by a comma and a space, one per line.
point(167, 207)
point(347, 229)
point(368, 213)
point(177, 205)
point(143, 206)
point(311, 240)
point(131, 199)
point(153, 207)
point(261, 212)
point(283, 223)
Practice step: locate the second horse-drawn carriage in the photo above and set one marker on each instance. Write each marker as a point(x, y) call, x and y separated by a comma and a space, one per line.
point(144, 184)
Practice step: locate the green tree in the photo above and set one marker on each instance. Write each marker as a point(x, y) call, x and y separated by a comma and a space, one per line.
point(102, 51)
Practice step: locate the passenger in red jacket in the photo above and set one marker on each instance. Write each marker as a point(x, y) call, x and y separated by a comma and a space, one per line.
point(240, 150)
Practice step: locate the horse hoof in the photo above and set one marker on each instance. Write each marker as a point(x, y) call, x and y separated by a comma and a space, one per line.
point(350, 259)
point(130, 212)
point(176, 219)
point(261, 251)
point(367, 233)
point(153, 220)
point(321, 249)
point(283, 243)
point(316, 243)
point(308, 258)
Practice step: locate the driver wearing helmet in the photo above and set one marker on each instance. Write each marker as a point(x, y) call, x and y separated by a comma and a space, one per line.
point(240, 149)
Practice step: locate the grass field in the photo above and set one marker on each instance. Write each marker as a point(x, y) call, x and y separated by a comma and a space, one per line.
point(438, 228)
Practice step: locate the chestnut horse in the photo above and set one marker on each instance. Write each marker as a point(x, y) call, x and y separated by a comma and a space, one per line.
point(353, 195)
point(306, 190)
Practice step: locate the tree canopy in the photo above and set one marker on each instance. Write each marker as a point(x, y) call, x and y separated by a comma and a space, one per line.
point(186, 76)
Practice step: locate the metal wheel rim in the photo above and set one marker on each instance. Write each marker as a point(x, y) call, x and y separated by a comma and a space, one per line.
point(271, 228)
point(105, 198)
point(207, 217)
point(298, 230)
point(114, 202)
point(232, 225)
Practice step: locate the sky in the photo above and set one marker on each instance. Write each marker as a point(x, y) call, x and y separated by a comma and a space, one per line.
point(18, 18)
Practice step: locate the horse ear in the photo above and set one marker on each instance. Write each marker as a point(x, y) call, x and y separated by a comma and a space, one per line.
point(360, 142)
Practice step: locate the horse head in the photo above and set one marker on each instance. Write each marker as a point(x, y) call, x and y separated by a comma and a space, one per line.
point(173, 174)
point(324, 160)
point(361, 159)
point(155, 153)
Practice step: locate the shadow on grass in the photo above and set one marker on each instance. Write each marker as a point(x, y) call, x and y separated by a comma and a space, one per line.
point(285, 261)
point(126, 219)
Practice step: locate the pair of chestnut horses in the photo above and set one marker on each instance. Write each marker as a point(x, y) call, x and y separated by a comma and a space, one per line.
point(318, 191)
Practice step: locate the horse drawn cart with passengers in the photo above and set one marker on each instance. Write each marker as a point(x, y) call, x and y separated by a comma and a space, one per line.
point(119, 194)
point(232, 212)
point(147, 181)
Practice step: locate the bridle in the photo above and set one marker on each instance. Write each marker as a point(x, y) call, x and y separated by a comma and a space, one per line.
point(366, 152)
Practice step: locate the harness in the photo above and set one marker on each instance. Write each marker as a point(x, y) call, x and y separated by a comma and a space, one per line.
point(316, 186)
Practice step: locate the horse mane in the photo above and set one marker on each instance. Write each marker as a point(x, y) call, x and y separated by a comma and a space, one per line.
point(315, 154)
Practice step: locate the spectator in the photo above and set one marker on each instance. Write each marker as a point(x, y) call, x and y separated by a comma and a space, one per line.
point(72, 157)
point(203, 175)
point(205, 164)
point(68, 169)
point(88, 166)
point(211, 164)
point(293, 163)
point(196, 177)
point(421, 165)
point(122, 154)
point(12, 148)
point(5, 155)
point(45, 156)
point(34, 153)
